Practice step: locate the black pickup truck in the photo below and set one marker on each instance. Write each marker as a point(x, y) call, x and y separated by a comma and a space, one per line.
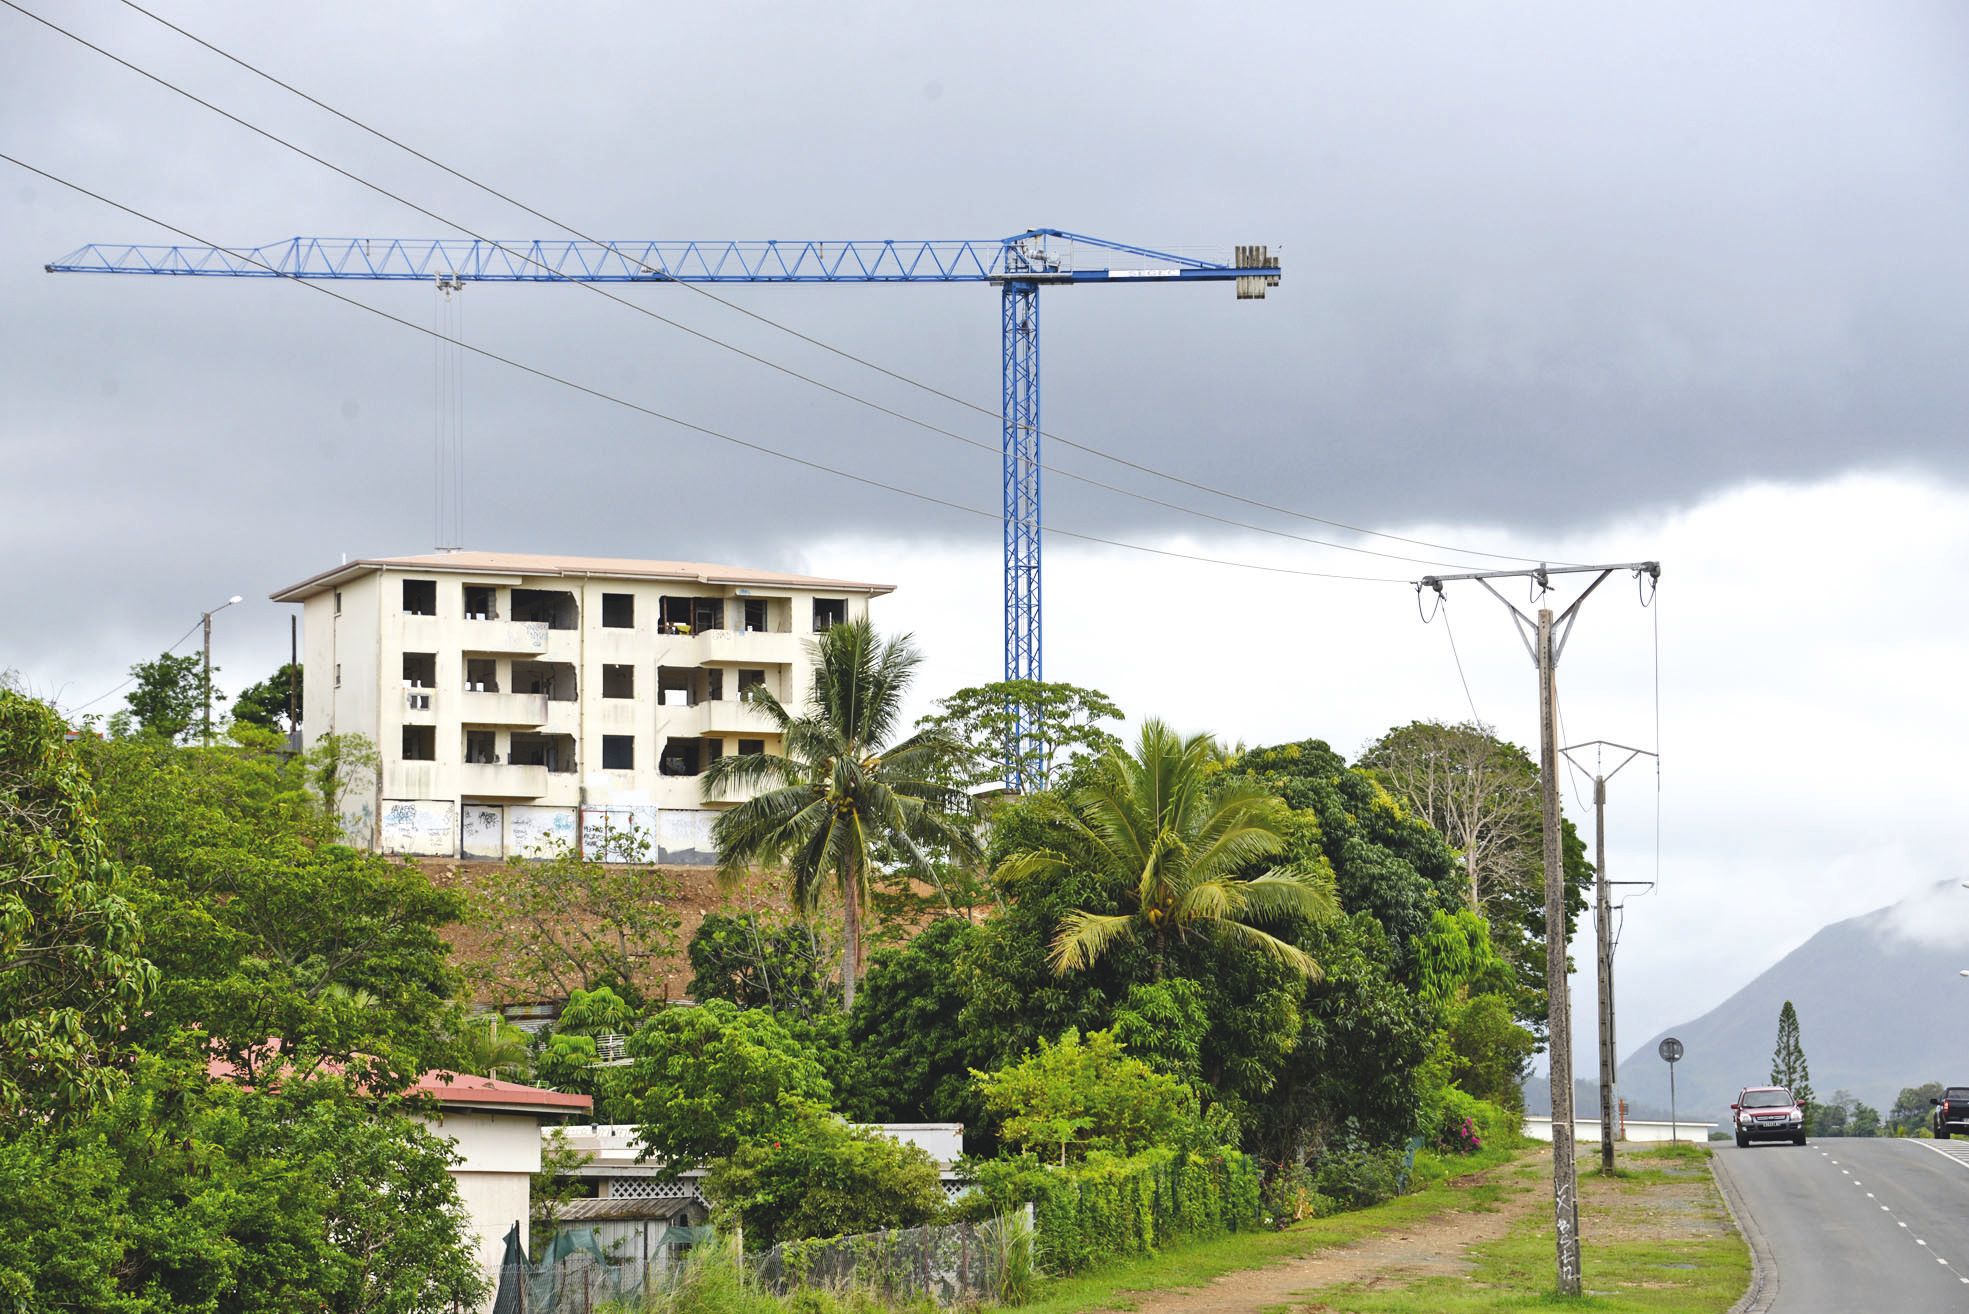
point(1951, 1112)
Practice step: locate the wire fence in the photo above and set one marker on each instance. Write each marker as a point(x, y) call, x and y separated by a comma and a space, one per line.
point(976, 1261)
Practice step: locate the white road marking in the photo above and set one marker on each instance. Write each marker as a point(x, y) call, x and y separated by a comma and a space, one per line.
point(1957, 1151)
point(1918, 1241)
point(1903, 1224)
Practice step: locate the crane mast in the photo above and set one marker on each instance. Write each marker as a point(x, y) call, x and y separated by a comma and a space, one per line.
point(1021, 265)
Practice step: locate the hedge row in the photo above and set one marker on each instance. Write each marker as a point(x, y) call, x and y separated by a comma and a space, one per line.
point(1109, 1207)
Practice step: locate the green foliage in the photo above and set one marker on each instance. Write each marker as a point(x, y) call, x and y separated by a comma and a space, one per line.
point(265, 704)
point(1079, 1096)
point(1455, 958)
point(1110, 1207)
point(179, 1195)
point(1177, 845)
point(714, 1077)
point(840, 799)
point(1357, 1175)
point(597, 1012)
point(913, 1049)
point(343, 769)
point(1065, 719)
point(1912, 1108)
point(568, 922)
point(759, 962)
point(493, 1047)
point(1788, 1067)
point(262, 927)
point(1843, 1115)
point(1490, 1051)
point(169, 698)
point(819, 1177)
point(1164, 1023)
point(71, 965)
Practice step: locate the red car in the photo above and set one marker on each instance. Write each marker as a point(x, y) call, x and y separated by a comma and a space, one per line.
point(1767, 1113)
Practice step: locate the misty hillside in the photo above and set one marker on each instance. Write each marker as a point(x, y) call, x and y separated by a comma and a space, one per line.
point(1880, 1008)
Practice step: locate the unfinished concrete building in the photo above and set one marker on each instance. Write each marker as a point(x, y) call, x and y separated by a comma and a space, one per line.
point(522, 703)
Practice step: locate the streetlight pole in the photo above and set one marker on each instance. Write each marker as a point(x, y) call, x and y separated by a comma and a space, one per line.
point(205, 736)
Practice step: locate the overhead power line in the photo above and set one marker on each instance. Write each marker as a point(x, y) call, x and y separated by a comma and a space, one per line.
point(705, 430)
point(897, 376)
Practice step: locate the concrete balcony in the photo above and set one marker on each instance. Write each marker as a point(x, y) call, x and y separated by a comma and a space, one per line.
point(683, 721)
point(504, 636)
point(730, 716)
point(747, 648)
point(501, 780)
point(479, 708)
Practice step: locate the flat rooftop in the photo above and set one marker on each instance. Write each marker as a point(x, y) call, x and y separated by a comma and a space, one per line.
point(487, 565)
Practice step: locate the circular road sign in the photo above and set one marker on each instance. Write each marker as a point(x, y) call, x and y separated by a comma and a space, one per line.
point(1670, 1049)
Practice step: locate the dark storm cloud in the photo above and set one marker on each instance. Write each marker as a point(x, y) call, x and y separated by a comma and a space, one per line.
point(1544, 262)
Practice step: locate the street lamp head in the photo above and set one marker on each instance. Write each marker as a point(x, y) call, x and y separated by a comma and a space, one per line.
point(234, 598)
point(1963, 972)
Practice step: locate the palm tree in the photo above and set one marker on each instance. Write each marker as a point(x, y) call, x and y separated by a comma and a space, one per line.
point(838, 800)
point(1159, 826)
point(490, 1043)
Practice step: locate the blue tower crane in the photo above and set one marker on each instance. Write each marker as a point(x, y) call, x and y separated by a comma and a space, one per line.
point(1020, 265)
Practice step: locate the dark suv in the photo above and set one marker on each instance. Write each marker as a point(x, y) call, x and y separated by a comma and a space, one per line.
point(1767, 1113)
point(1951, 1112)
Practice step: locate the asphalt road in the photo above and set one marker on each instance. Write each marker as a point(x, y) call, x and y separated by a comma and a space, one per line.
point(1854, 1226)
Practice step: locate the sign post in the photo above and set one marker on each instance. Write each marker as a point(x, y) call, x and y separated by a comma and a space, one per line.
point(1670, 1050)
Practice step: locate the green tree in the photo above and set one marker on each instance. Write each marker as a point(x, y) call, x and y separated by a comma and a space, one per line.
point(1081, 1094)
point(567, 923)
point(493, 1047)
point(1065, 720)
point(759, 962)
point(265, 704)
point(1788, 1068)
point(1185, 842)
point(914, 1051)
point(713, 1077)
point(262, 927)
point(1912, 1108)
point(183, 1194)
point(840, 797)
point(72, 971)
point(819, 1177)
point(170, 696)
point(1864, 1121)
point(1481, 793)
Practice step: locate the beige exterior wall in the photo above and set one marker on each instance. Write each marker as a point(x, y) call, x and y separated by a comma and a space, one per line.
point(498, 1155)
point(416, 802)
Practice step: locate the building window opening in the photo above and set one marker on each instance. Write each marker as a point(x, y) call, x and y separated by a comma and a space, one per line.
point(829, 612)
point(618, 682)
point(482, 747)
point(552, 606)
point(481, 602)
point(338, 602)
point(749, 680)
point(481, 675)
point(751, 747)
point(690, 615)
point(619, 611)
point(420, 597)
point(420, 670)
point(618, 752)
point(679, 686)
point(714, 684)
point(555, 679)
point(681, 757)
point(555, 752)
point(755, 615)
point(420, 743)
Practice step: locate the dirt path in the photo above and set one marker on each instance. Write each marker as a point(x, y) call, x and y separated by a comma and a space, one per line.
point(1438, 1246)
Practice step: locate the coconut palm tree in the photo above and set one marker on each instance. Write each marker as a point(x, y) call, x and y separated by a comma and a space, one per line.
point(838, 802)
point(1161, 826)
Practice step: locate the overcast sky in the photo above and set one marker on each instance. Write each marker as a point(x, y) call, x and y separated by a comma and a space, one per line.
point(1681, 281)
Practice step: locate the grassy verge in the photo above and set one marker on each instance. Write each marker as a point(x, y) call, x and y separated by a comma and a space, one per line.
point(1655, 1238)
point(1196, 1263)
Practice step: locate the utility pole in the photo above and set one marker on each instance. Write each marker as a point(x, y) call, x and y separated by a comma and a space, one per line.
point(1546, 646)
point(1603, 935)
point(206, 620)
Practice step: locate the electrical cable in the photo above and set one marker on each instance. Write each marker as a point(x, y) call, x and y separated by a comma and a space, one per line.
point(1476, 718)
point(709, 432)
point(772, 323)
point(133, 679)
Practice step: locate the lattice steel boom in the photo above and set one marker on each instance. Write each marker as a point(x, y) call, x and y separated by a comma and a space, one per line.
point(1021, 264)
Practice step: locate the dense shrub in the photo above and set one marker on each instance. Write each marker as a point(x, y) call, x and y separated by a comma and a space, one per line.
point(819, 1177)
point(1358, 1175)
point(1109, 1207)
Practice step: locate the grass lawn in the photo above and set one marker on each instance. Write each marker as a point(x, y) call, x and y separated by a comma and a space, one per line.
point(1115, 1286)
point(1655, 1237)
